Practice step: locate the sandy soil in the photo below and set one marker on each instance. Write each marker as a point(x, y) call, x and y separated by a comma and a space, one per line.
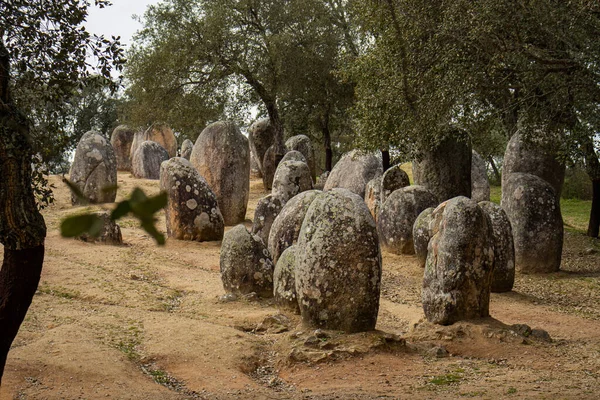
point(145, 322)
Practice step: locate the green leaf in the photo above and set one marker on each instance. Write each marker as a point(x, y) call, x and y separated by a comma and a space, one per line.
point(149, 227)
point(122, 209)
point(138, 196)
point(148, 207)
point(80, 224)
point(110, 188)
point(76, 191)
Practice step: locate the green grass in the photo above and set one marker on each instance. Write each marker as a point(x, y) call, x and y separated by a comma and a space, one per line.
point(443, 380)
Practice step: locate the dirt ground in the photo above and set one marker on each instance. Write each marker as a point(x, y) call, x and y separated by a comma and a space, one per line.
point(145, 322)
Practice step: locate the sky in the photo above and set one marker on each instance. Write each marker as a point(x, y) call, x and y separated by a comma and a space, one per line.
point(117, 20)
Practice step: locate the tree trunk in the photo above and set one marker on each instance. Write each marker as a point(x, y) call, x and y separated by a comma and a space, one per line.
point(592, 168)
point(495, 169)
point(275, 153)
point(22, 227)
point(385, 159)
point(594, 224)
point(327, 144)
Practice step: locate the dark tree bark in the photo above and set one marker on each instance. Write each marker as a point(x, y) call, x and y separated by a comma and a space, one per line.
point(495, 169)
point(22, 227)
point(327, 142)
point(385, 159)
point(592, 167)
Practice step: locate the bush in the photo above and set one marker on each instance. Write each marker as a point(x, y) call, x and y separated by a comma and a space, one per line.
point(577, 184)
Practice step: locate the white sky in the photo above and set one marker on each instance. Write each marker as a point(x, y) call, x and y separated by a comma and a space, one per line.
point(117, 20)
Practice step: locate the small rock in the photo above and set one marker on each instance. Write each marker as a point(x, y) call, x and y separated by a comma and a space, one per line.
point(541, 334)
point(521, 329)
point(321, 334)
point(228, 298)
point(438, 352)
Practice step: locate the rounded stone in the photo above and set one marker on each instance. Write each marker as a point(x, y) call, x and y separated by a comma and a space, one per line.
point(246, 266)
point(535, 156)
point(321, 180)
point(503, 278)
point(159, 133)
point(267, 209)
point(121, 139)
point(533, 209)
point(460, 261)
point(373, 196)
point(338, 264)
point(222, 156)
point(353, 171)
point(147, 159)
point(109, 234)
point(284, 281)
point(446, 168)
point(192, 212)
point(422, 235)
point(303, 144)
point(397, 217)
point(293, 155)
point(186, 149)
point(286, 227)
point(291, 178)
point(261, 135)
point(270, 162)
point(393, 179)
point(94, 169)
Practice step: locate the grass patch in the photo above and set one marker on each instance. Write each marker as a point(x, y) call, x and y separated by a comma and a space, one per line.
point(59, 291)
point(511, 390)
point(444, 380)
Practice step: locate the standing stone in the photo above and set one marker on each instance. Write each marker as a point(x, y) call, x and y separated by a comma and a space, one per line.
point(186, 149)
point(192, 212)
point(284, 281)
point(460, 261)
point(398, 215)
point(503, 278)
point(303, 144)
point(422, 235)
point(147, 159)
point(159, 133)
point(222, 156)
point(321, 180)
point(286, 227)
point(293, 155)
point(270, 162)
point(261, 136)
point(480, 185)
point(373, 196)
point(338, 264)
point(354, 170)
point(291, 178)
point(109, 234)
point(267, 210)
point(532, 207)
point(246, 266)
point(94, 169)
point(393, 179)
point(446, 168)
point(121, 140)
point(536, 156)
point(254, 168)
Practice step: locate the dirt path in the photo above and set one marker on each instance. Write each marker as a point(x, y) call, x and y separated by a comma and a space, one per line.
point(145, 322)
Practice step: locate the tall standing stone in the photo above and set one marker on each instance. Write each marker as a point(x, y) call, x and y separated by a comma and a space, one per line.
point(422, 235)
point(460, 261)
point(186, 149)
point(192, 212)
point(338, 264)
point(303, 144)
point(159, 133)
point(286, 227)
point(245, 263)
point(397, 217)
point(535, 156)
point(121, 139)
point(393, 179)
point(446, 168)
point(222, 156)
point(373, 196)
point(261, 136)
point(291, 178)
point(266, 212)
point(94, 169)
point(146, 161)
point(284, 281)
point(270, 162)
point(533, 209)
point(503, 278)
point(480, 185)
point(353, 171)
